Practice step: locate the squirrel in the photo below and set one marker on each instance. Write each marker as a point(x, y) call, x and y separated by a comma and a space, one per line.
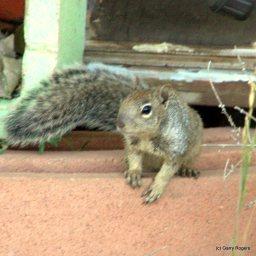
point(159, 128)
point(87, 95)
point(90, 96)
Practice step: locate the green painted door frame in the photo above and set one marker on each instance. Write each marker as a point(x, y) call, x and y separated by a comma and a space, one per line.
point(54, 34)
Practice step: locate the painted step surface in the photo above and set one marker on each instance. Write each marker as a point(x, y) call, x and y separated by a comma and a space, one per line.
point(98, 214)
point(94, 151)
point(77, 203)
point(103, 160)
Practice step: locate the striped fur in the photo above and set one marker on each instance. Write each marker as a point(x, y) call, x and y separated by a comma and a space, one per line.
point(85, 95)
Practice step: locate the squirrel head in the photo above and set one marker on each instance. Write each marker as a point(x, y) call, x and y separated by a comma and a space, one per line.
point(143, 110)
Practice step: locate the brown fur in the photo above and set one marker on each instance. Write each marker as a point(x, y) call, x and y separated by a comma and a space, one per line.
point(169, 137)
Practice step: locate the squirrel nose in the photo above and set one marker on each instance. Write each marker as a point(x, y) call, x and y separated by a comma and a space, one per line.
point(120, 122)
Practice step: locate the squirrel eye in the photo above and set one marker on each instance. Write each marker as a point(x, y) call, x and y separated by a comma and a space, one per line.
point(146, 110)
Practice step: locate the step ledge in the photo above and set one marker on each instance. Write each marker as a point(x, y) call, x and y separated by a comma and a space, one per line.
point(104, 161)
point(98, 140)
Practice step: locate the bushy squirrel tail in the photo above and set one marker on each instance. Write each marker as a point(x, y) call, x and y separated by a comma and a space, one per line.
point(87, 95)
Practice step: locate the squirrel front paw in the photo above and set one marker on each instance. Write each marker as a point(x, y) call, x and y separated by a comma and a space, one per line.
point(133, 178)
point(188, 172)
point(153, 192)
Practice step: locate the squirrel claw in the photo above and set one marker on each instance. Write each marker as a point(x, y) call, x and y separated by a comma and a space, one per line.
point(133, 178)
point(151, 198)
point(146, 192)
point(152, 194)
point(188, 172)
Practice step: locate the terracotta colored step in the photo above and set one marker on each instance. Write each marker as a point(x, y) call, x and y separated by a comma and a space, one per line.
point(104, 160)
point(98, 214)
point(93, 151)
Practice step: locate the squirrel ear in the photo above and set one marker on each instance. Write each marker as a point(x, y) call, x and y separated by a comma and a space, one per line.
point(136, 82)
point(164, 93)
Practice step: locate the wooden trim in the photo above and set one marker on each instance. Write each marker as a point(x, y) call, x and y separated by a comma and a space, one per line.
point(122, 53)
point(196, 92)
point(110, 46)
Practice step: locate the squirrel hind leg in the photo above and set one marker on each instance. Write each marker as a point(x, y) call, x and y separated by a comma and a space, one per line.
point(188, 172)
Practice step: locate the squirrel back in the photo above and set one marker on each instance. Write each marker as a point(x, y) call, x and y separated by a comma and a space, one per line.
point(86, 95)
